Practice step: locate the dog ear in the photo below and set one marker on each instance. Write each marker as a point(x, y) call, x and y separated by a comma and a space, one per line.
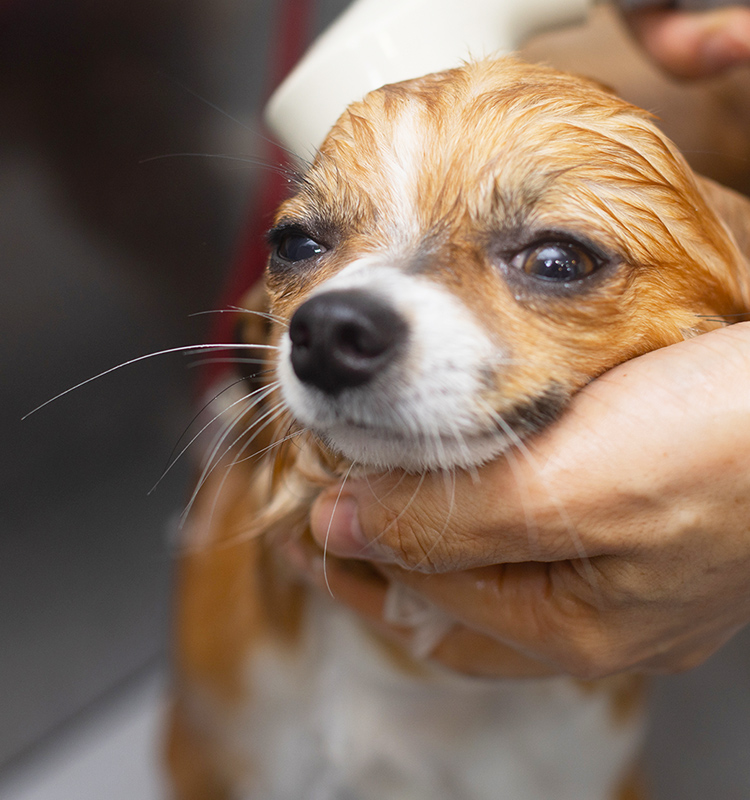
point(732, 208)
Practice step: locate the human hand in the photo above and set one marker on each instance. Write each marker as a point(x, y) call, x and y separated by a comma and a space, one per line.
point(617, 540)
point(692, 44)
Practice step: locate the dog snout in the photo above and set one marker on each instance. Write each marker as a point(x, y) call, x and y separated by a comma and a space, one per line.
point(343, 339)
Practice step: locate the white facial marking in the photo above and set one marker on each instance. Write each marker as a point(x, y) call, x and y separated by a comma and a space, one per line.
point(424, 410)
point(401, 163)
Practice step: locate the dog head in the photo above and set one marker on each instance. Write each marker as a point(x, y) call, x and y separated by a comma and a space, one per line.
point(469, 249)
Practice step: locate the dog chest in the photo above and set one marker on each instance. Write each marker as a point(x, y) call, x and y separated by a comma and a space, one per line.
point(336, 720)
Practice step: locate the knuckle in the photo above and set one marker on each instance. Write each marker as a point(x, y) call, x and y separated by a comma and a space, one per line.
point(591, 660)
point(584, 644)
point(583, 651)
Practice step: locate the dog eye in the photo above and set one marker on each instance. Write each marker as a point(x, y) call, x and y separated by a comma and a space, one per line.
point(295, 246)
point(557, 261)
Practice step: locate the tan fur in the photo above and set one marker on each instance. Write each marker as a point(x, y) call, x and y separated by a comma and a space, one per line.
point(555, 153)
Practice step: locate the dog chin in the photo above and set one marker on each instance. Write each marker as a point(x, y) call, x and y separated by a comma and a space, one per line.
point(374, 435)
point(385, 450)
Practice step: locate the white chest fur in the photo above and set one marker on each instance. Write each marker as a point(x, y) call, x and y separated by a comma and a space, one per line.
point(335, 720)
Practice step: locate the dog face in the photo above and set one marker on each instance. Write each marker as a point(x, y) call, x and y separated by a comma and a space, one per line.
point(469, 249)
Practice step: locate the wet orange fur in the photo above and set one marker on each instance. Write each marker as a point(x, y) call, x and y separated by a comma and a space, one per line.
point(556, 153)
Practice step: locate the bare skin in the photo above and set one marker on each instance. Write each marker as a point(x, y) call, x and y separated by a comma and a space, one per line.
point(648, 475)
point(694, 44)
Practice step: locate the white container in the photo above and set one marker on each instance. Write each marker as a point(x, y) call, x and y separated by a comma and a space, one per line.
point(375, 42)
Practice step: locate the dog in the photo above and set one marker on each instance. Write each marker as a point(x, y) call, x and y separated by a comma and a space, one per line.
point(466, 251)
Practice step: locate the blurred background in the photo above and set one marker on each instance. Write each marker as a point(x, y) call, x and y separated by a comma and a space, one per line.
point(109, 240)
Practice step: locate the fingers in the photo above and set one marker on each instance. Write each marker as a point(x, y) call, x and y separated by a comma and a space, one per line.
point(551, 613)
point(434, 523)
point(694, 44)
point(520, 620)
point(559, 616)
point(363, 590)
point(579, 618)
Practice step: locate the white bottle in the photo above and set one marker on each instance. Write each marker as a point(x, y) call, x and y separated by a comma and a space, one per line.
point(383, 41)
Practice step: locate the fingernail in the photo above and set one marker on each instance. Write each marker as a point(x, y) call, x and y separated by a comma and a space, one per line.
point(335, 526)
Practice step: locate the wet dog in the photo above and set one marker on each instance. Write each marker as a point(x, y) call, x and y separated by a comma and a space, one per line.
point(466, 251)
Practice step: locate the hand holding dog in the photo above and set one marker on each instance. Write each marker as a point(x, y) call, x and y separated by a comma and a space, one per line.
point(619, 541)
point(642, 476)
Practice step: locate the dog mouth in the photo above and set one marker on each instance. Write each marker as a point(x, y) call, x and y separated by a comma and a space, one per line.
point(396, 444)
point(386, 433)
point(386, 449)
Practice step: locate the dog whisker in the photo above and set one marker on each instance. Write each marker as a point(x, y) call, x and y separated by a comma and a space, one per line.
point(214, 460)
point(449, 483)
point(192, 349)
point(328, 531)
point(276, 443)
point(258, 396)
point(273, 414)
point(394, 522)
point(461, 440)
point(265, 314)
point(380, 498)
point(726, 319)
point(252, 129)
point(273, 444)
point(253, 528)
point(200, 411)
point(237, 159)
point(239, 309)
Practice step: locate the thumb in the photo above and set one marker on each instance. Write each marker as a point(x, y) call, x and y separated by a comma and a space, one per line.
point(445, 522)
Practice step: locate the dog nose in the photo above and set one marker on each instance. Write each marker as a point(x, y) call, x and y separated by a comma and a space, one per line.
point(342, 339)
